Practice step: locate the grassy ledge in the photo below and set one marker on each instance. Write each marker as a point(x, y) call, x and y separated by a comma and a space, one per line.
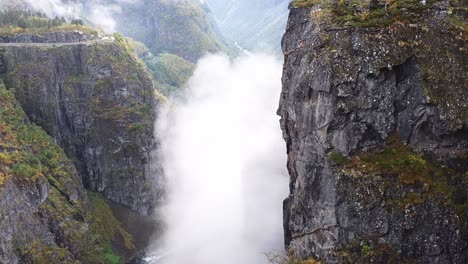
point(367, 13)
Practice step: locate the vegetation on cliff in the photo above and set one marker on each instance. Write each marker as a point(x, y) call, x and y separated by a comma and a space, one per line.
point(170, 72)
point(84, 229)
point(409, 181)
point(369, 13)
point(28, 153)
point(24, 22)
point(289, 257)
point(75, 92)
point(396, 159)
point(177, 27)
point(350, 79)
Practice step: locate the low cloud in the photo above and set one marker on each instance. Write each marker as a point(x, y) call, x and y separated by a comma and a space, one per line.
point(225, 163)
point(100, 12)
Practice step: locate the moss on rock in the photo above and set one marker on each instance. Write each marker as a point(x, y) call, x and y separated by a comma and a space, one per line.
point(82, 228)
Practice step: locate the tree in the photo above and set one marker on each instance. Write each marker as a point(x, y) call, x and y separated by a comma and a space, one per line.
point(22, 23)
point(77, 22)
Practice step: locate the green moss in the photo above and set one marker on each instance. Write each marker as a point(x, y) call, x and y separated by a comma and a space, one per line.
point(410, 167)
point(94, 244)
point(458, 23)
point(24, 170)
point(133, 114)
point(401, 167)
point(365, 249)
point(40, 253)
point(75, 78)
point(307, 3)
point(104, 222)
point(338, 158)
point(29, 155)
point(122, 41)
point(359, 13)
point(110, 257)
point(369, 251)
point(289, 257)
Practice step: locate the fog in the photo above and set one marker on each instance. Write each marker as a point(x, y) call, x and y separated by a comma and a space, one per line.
point(224, 160)
point(100, 12)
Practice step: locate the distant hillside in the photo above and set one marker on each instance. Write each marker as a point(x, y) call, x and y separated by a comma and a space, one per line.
point(254, 25)
point(180, 27)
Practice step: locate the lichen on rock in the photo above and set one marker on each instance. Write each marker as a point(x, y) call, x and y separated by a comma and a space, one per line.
point(97, 101)
point(46, 215)
point(347, 90)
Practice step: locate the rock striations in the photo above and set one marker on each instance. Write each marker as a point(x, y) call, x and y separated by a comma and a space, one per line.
point(96, 100)
point(374, 113)
point(46, 216)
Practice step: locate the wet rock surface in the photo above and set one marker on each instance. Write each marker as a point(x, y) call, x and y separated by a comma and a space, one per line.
point(347, 93)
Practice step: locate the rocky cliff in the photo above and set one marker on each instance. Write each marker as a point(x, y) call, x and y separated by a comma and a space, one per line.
point(178, 27)
point(183, 27)
point(46, 216)
point(96, 100)
point(374, 113)
point(48, 37)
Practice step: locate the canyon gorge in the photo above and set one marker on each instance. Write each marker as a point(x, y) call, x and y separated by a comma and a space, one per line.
point(253, 132)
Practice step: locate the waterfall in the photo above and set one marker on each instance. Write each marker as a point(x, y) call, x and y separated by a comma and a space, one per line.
point(224, 160)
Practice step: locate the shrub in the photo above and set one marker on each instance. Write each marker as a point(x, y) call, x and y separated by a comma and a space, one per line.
point(289, 258)
point(338, 158)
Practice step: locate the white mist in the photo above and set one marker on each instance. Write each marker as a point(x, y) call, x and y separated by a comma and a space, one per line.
point(225, 162)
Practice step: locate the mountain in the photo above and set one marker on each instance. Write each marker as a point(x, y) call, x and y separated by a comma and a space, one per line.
point(170, 35)
point(77, 113)
point(164, 26)
point(181, 27)
point(254, 25)
point(77, 118)
point(46, 214)
point(374, 114)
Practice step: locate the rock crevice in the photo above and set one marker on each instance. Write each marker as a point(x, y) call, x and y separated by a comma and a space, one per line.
point(96, 100)
point(375, 123)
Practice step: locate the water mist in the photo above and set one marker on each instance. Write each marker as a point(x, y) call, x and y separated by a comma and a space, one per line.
point(225, 162)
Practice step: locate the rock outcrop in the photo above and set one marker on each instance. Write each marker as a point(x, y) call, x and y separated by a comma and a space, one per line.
point(178, 27)
point(96, 100)
point(183, 27)
point(374, 113)
point(49, 37)
point(46, 216)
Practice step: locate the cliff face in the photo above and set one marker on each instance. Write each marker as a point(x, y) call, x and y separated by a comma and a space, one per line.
point(178, 27)
point(96, 100)
point(45, 214)
point(181, 27)
point(375, 119)
point(48, 37)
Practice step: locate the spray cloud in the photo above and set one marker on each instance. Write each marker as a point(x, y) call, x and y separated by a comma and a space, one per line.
point(225, 162)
